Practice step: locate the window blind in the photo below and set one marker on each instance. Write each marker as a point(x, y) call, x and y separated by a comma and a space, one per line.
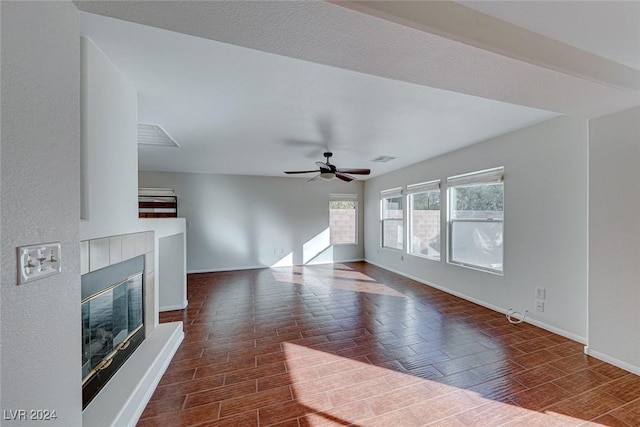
point(481, 177)
point(393, 192)
point(341, 197)
point(423, 187)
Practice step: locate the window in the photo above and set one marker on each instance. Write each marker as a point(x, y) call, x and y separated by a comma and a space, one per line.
point(343, 219)
point(424, 219)
point(391, 218)
point(476, 215)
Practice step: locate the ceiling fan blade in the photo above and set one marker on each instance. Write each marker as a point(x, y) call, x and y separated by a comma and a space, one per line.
point(312, 149)
point(328, 171)
point(324, 128)
point(355, 171)
point(301, 171)
point(344, 177)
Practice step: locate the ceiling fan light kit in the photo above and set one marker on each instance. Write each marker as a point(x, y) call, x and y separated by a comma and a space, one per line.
point(328, 171)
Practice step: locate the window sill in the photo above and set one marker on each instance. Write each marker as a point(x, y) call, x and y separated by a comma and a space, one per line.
point(390, 249)
point(438, 259)
point(477, 268)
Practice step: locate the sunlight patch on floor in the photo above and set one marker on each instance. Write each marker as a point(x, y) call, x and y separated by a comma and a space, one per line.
point(366, 287)
point(309, 276)
point(328, 270)
point(337, 390)
point(285, 275)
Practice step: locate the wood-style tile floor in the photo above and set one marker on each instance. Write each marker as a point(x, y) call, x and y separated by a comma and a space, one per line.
point(352, 344)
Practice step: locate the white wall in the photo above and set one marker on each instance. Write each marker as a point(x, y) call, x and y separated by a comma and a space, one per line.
point(171, 267)
point(109, 148)
point(1, 115)
point(614, 238)
point(109, 176)
point(545, 224)
point(172, 290)
point(40, 175)
point(236, 222)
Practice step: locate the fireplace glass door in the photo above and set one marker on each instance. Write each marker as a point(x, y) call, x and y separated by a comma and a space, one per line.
point(109, 318)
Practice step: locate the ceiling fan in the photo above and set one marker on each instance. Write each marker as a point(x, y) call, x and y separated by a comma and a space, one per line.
point(328, 171)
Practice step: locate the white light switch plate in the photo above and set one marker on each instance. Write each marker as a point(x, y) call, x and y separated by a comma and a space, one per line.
point(38, 261)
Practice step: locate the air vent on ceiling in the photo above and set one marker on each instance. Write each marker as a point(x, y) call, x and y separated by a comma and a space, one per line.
point(150, 134)
point(383, 159)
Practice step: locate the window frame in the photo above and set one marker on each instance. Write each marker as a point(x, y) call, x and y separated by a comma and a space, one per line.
point(345, 198)
point(392, 193)
point(416, 189)
point(483, 177)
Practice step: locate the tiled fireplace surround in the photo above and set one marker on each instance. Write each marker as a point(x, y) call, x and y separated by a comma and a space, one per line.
point(124, 397)
point(99, 253)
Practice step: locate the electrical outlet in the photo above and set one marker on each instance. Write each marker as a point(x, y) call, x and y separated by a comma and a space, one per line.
point(38, 261)
point(540, 306)
point(540, 293)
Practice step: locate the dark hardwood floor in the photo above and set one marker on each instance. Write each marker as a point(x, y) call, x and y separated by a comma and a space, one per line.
point(353, 344)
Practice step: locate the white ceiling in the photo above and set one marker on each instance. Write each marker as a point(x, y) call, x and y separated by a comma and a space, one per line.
point(610, 29)
point(259, 88)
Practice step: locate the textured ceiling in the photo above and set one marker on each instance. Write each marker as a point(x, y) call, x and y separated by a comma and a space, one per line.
point(262, 87)
point(610, 29)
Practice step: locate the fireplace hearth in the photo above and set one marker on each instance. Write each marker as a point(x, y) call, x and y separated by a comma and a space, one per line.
point(112, 322)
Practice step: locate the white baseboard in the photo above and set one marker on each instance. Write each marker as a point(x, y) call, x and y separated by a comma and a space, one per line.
point(222, 269)
point(550, 328)
point(122, 400)
point(558, 331)
point(174, 307)
point(311, 264)
point(347, 260)
point(612, 360)
point(255, 267)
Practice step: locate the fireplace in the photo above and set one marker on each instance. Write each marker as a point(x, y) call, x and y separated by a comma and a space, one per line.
point(112, 321)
